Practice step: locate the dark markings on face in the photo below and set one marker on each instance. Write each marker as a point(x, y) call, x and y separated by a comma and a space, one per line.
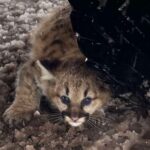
point(67, 89)
point(86, 91)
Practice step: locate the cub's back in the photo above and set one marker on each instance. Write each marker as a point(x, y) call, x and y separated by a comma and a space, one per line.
point(54, 38)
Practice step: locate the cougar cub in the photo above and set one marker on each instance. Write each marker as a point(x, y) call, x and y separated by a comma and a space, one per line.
point(57, 70)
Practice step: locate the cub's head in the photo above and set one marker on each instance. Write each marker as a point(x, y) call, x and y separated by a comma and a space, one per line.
point(77, 92)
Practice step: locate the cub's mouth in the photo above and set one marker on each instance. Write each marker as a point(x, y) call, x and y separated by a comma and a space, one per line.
point(75, 119)
point(75, 122)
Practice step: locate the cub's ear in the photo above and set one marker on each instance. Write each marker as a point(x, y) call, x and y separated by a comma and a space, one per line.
point(46, 67)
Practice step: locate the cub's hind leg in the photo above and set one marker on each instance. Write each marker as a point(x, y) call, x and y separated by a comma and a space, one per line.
point(27, 98)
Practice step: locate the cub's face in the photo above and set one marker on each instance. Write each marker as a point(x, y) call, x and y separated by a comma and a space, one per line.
point(76, 94)
point(77, 99)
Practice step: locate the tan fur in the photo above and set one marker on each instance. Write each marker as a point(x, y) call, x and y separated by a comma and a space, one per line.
point(54, 37)
point(54, 40)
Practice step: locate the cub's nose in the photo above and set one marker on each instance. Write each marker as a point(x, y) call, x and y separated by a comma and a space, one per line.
point(74, 116)
point(74, 113)
point(74, 119)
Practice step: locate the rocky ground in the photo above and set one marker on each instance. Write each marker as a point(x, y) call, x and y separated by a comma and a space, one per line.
point(117, 131)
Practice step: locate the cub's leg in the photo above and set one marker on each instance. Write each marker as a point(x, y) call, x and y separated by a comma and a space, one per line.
point(27, 98)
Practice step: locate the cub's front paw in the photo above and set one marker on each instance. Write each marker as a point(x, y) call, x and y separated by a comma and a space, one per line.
point(14, 116)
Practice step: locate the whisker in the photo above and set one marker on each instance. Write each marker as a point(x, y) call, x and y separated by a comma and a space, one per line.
point(54, 115)
point(55, 120)
point(94, 125)
point(96, 120)
point(89, 123)
point(92, 117)
point(106, 118)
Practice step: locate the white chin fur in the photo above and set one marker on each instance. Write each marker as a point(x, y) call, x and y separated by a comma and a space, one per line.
point(75, 124)
point(78, 123)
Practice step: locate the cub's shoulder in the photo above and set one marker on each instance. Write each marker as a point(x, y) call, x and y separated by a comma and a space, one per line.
point(54, 35)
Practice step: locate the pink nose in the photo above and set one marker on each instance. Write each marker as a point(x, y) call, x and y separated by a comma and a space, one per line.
point(74, 119)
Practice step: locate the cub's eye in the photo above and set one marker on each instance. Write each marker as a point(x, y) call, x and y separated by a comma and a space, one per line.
point(65, 100)
point(87, 101)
